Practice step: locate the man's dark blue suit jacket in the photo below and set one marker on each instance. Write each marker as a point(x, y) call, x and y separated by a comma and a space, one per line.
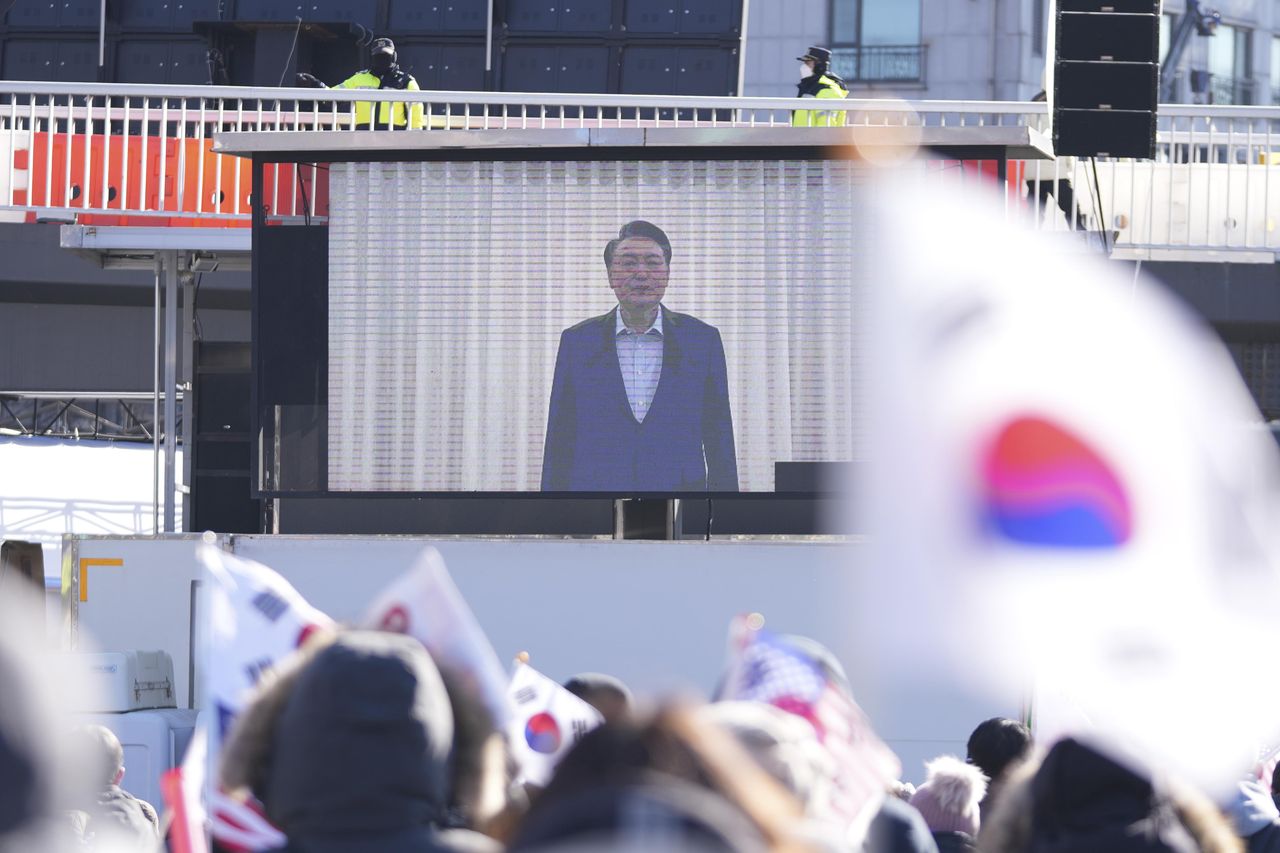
point(686, 441)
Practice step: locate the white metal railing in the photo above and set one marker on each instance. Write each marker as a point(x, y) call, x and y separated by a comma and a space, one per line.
point(1214, 186)
point(76, 149)
point(134, 150)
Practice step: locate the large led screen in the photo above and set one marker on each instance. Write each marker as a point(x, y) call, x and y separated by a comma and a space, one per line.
point(598, 326)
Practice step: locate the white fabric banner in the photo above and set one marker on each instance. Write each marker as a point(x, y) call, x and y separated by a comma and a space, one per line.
point(425, 604)
point(1069, 489)
point(255, 620)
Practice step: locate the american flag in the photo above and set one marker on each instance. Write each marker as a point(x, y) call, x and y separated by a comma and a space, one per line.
point(766, 668)
point(181, 787)
point(240, 825)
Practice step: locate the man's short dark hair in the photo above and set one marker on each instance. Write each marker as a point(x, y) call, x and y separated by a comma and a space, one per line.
point(638, 228)
point(997, 743)
point(603, 692)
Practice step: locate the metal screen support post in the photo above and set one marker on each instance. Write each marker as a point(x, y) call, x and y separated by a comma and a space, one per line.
point(170, 388)
point(488, 39)
point(155, 403)
point(187, 340)
point(102, 40)
point(742, 47)
point(646, 518)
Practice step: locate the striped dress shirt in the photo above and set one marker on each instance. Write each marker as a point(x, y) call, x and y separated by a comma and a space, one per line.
point(640, 357)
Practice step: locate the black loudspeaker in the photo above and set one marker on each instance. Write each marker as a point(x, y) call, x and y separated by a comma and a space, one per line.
point(1138, 7)
point(221, 491)
point(1114, 133)
point(1105, 85)
point(1106, 78)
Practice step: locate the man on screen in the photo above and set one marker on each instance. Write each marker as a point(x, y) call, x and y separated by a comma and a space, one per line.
point(640, 398)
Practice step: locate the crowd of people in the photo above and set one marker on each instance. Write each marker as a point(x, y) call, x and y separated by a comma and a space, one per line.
point(361, 742)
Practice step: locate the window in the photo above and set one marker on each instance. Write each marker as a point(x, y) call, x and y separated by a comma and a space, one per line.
point(1275, 70)
point(1229, 65)
point(876, 40)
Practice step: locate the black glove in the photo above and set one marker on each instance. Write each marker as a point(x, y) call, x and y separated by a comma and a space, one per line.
point(395, 78)
point(308, 81)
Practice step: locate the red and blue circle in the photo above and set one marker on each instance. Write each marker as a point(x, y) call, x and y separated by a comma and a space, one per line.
point(542, 733)
point(1047, 487)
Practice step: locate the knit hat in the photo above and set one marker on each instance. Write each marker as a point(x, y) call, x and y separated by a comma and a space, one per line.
point(950, 795)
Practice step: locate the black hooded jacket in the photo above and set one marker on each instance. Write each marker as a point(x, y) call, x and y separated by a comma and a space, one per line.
point(1084, 801)
point(820, 79)
point(359, 755)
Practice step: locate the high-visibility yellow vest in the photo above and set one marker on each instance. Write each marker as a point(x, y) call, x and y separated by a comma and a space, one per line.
point(389, 114)
point(822, 118)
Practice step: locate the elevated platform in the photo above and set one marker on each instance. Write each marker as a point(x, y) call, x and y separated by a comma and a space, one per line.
point(986, 142)
point(136, 248)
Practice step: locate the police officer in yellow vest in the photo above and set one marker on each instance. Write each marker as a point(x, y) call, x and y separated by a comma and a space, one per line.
point(818, 81)
point(383, 73)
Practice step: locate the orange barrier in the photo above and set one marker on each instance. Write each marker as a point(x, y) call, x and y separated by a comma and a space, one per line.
point(198, 181)
point(988, 171)
point(195, 180)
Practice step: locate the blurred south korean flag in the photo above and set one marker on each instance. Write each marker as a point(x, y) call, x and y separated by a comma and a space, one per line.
point(548, 722)
point(1069, 491)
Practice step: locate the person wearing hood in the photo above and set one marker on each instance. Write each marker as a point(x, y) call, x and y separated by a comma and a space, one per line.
point(948, 801)
point(1079, 800)
point(384, 72)
point(349, 749)
point(817, 80)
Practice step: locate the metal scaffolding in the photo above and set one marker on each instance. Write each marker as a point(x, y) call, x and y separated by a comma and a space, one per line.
point(173, 254)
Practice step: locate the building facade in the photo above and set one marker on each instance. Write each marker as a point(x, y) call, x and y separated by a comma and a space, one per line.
point(911, 49)
point(1238, 64)
point(992, 49)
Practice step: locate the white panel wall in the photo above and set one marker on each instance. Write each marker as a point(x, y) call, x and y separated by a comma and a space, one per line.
point(653, 613)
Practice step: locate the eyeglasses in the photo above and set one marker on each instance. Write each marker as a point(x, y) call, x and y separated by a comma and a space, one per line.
point(631, 263)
